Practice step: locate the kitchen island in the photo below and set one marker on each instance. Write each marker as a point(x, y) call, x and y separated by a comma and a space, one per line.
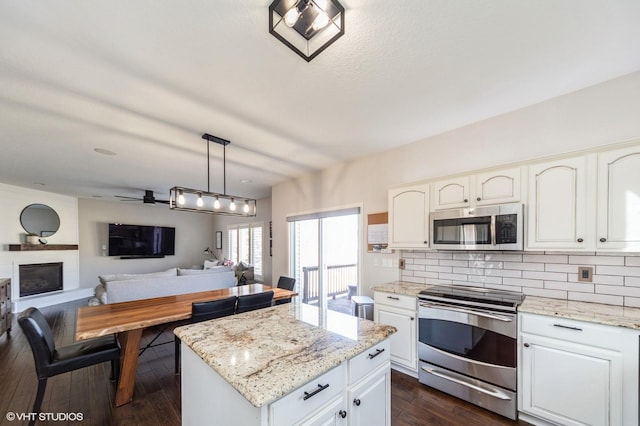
point(277, 366)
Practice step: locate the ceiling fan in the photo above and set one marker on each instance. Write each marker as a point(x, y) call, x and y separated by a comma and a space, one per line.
point(148, 198)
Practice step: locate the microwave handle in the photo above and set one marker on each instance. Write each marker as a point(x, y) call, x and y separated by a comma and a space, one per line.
point(493, 230)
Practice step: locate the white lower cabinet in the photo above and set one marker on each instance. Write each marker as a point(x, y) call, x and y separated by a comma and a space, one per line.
point(577, 373)
point(401, 312)
point(368, 400)
point(356, 392)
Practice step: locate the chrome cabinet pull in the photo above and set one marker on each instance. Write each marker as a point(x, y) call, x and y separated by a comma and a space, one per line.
point(602, 240)
point(378, 352)
point(526, 345)
point(308, 395)
point(356, 402)
point(568, 327)
point(580, 240)
point(393, 298)
point(342, 413)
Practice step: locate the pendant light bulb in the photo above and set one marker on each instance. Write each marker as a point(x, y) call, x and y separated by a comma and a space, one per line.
point(232, 206)
point(180, 198)
point(321, 21)
point(200, 203)
point(216, 203)
point(291, 17)
point(246, 207)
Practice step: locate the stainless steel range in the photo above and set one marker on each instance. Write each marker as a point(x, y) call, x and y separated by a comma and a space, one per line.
point(467, 344)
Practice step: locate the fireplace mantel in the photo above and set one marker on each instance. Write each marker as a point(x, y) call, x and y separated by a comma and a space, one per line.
point(40, 247)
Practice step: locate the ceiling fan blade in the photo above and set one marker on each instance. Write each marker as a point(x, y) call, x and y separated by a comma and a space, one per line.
point(127, 198)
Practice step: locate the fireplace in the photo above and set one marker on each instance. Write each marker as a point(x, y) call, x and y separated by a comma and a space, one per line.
point(39, 278)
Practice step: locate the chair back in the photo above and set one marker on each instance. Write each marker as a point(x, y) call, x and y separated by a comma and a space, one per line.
point(203, 311)
point(286, 283)
point(251, 302)
point(40, 338)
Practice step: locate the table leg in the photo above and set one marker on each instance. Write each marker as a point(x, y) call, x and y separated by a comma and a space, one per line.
point(130, 344)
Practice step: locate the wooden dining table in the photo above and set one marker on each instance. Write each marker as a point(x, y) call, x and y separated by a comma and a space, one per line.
point(128, 319)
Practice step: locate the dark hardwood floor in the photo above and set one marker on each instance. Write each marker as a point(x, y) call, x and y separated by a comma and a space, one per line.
point(157, 391)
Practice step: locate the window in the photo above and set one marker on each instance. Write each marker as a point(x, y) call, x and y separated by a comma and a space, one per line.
point(324, 251)
point(245, 245)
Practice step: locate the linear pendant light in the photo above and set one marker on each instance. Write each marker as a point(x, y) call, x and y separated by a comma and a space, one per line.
point(197, 200)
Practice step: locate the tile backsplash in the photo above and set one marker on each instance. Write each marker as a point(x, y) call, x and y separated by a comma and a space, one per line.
point(616, 277)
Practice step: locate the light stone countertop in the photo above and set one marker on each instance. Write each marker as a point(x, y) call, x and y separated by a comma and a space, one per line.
point(401, 287)
point(583, 311)
point(267, 353)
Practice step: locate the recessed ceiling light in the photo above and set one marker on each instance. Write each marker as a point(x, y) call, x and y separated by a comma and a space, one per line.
point(245, 180)
point(104, 151)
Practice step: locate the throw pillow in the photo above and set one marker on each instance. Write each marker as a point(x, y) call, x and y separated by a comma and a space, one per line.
point(211, 263)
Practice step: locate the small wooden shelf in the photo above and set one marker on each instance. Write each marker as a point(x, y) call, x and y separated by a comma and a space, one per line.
point(41, 247)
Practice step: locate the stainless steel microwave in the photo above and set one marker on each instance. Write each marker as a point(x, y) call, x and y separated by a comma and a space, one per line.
point(498, 227)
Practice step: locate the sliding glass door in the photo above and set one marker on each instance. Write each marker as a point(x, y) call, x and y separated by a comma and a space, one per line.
point(324, 253)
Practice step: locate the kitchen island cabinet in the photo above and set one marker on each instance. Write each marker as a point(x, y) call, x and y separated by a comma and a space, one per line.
point(274, 366)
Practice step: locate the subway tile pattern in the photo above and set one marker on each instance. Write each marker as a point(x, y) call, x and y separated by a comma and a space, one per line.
point(616, 276)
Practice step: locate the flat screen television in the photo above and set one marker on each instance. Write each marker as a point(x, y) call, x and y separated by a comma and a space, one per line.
point(141, 240)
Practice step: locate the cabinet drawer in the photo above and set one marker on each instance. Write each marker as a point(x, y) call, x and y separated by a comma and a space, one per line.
point(587, 333)
point(396, 300)
point(367, 361)
point(294, 407)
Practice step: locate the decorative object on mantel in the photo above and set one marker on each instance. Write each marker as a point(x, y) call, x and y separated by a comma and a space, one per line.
point(32, 239)
point(41, 247)
point(195, 200)
point(307, 27)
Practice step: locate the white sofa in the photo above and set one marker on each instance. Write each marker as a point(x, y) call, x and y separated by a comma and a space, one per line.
point(126, 287)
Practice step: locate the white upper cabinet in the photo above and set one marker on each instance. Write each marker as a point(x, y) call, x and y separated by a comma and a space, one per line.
point(558, 205)
point(451, 193)
point(409, 217)
point(618, 208)
point(497, 187)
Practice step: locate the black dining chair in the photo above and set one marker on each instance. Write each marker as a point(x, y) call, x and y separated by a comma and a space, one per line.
point(204, 311)
point(287, 284)
point(51, 361)
point(255, 301)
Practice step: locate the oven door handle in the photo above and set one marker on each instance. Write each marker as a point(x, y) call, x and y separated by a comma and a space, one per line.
point(465, 311)
point(491, 392)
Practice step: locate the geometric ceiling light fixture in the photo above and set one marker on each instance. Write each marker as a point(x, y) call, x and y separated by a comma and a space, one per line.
point(197, 200)
point(306, 26)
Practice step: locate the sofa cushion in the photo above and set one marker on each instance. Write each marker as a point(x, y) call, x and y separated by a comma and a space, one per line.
point(212, 270)
point(124, 277)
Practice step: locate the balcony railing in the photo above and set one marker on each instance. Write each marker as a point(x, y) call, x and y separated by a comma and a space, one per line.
point(339, 278)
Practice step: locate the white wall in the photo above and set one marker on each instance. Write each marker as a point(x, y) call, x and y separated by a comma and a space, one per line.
point(194, 232)
point(14, 199)
point(599, 115)
point(220, 223)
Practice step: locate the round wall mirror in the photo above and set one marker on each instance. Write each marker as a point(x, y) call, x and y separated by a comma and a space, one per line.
point(40, 220)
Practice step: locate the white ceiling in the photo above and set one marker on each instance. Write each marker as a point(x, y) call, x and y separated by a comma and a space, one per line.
point(146, 78)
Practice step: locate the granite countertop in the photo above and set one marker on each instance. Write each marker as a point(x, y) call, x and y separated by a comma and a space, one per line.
point(267, 353)
point(401, 287)
point(620, 316)
point(583, 311)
